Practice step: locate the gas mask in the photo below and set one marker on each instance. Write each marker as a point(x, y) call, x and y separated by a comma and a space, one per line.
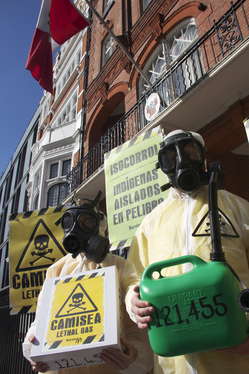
point(81, 232)
point(182, 159)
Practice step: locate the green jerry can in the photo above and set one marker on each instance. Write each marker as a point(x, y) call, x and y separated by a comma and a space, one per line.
point(195, 311)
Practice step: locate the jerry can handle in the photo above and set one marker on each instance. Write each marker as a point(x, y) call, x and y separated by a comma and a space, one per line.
point(158, 266)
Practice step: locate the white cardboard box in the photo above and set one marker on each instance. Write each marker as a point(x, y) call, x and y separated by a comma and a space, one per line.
point(79, 318)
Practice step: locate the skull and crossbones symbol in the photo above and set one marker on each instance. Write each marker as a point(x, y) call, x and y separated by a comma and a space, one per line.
point(77, 302)
point(41, 245)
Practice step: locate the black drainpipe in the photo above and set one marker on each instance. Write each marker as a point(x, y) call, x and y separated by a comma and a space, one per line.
point(127, 23)
point(84, 100)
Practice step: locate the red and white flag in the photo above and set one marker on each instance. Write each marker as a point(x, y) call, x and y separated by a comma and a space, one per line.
point(58, 21)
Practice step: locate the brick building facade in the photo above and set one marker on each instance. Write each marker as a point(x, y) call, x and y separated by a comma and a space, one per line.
point(193, 54)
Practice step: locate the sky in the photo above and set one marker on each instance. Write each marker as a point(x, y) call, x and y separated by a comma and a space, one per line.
point(20, 93)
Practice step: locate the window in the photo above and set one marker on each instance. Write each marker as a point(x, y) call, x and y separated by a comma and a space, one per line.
point(36, 200)
point(8, 186)
point(57, 193)
point(35, 133)
point(84, 8)
point(15, 201)
point(66, 167)
point(46, 106)
point(74, 62)
point(167, 65)
point(53, 170)
point(145, 3)
point(169, 50)
point(37, 179)
point(68, 113)
point(78, 57)
point(26, 202)
point(106, 5)
point(5, 279)
point(1, 191)
point(108, 47)
point(3, 219)
point(59, 190)
point(21, 162)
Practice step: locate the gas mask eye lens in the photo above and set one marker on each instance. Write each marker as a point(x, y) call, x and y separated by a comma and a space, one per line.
point(67, 221)
point(87, 222)
point(192, 151)
point(168, 157)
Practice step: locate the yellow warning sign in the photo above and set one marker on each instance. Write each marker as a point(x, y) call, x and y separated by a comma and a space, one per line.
point(77, 312)
point(35, 244)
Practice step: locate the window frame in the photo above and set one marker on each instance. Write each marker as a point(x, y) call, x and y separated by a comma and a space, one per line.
point(104, 60)
point(107, 5)
point(66, 160)
point(59, 185)
point(51, 168)
point(64, 116)
point(4, 265)
point(143, 7)
point(166, 43)
point(68, 71)
point(36, 201)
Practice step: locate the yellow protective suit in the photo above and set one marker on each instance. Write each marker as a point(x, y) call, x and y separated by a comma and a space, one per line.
point(166, 233)
point(143, 358)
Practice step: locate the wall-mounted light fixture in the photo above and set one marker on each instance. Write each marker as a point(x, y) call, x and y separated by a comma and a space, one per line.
point(202, 7)
point(246, 124)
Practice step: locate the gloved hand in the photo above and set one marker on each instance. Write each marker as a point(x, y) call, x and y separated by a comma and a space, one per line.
point(142, 310)
point(36, 366)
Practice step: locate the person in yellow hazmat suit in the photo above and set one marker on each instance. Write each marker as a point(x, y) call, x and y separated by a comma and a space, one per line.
point(85, 230)
point(172, 229)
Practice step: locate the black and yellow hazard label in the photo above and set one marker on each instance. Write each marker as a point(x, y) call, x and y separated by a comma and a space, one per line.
point(226, 226)
point(41, 250)
point(77, 311)
point(120, 245)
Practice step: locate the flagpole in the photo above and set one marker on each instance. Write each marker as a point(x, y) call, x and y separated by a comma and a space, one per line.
point(122, 47)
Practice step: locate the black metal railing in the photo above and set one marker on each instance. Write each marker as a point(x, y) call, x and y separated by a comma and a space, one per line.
point(13, 330)
point(112, 138)
point(184, 74)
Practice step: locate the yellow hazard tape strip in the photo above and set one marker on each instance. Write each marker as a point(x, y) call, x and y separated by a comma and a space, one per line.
point(121, 244)
point(35, 213)
point(22, 309)
point(88, 340)
point(80, 277)
point(145, 135)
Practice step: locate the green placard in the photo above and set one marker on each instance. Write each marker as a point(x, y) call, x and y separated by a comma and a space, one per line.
point(132, 184)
